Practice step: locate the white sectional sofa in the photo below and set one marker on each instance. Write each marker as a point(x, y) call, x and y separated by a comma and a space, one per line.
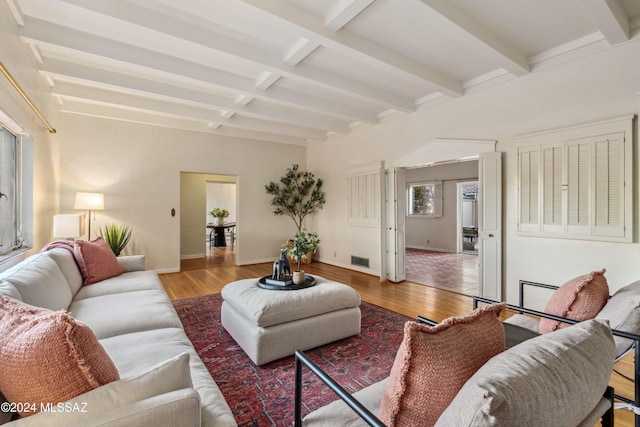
point(135, 322)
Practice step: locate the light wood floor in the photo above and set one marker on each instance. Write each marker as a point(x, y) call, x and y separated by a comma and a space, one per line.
point(208, 275)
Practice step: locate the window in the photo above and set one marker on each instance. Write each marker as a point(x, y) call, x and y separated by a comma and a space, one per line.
point(10, 239)
point(572, 183)
point(425, 199)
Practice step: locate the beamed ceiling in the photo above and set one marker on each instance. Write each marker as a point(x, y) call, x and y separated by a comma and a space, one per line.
point(296, 71)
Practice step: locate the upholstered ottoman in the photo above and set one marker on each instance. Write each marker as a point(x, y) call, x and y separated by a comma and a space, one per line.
point(271, 324)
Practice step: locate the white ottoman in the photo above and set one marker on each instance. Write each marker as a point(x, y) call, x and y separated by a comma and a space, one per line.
point(271, 324)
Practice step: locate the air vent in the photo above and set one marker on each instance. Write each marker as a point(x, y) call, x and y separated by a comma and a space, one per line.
point(356, 260)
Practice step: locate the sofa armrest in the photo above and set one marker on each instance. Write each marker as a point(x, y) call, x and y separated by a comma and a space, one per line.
point(132, 262)
point(174, 408)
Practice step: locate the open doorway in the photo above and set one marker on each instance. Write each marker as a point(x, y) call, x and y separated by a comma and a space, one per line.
point(200, 194)
point(439, 151)
point(433, 247)
point(467, 228)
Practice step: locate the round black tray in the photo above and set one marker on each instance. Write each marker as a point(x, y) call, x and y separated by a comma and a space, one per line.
point(309, 281)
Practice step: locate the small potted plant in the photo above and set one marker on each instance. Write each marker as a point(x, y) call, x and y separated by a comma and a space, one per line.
point(116, 236)
point(219, 215)
point(303, 245)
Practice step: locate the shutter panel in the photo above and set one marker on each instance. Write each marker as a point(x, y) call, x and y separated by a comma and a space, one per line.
point(609, 185)
point(552, 166)
point(578, 188)
point(528, 166)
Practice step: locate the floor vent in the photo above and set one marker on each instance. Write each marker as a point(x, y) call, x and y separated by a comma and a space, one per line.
point(356, 260)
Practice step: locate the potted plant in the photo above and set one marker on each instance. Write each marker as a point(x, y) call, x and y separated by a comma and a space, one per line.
point(219, 215)
point(297, 195)
point(116, 236)
point(303, 246)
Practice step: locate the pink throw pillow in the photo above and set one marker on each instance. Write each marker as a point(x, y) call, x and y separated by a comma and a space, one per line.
point(96, 260)
point(581, 298)
point(434, 362)
point(47, 357)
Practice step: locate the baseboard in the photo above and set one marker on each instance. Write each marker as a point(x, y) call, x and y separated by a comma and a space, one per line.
point(167, 270)
point(349, 267)
point(429, 248)
point(193, 256)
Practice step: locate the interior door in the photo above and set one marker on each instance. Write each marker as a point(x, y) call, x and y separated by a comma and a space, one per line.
point(490, 225)
point(399, 208)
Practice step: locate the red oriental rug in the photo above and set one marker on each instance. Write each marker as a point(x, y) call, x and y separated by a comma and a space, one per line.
point(264, 395)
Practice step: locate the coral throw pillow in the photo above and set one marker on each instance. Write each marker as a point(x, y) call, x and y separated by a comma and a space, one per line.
point(47, 357)
point(581, 298)
point(434, 362)
point(96, 260)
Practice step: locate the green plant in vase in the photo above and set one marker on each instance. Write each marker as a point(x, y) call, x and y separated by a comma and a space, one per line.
point(117, 236)
point(303, 245)
point(219, 215)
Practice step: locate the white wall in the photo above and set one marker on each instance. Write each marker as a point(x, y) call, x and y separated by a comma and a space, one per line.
point(221, 195)
point(138, 168)
point(19, 60)
point(439, 234)
point(596, 87)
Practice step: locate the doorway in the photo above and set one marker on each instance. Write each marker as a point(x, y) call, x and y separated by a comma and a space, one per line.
point(467, 228)
point(199, 194)
point(489, 207)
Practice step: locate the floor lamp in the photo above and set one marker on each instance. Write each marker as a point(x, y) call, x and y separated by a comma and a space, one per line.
point(89, 202)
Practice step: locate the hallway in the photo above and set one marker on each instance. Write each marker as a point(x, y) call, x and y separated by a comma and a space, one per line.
point(455, 272)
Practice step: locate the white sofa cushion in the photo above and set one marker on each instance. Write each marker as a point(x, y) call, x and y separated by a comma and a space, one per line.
point(68, 266)
point(126, 282)
point(169, 375)
point(40, 282)
point(127, 312)
point(134, 352)
point(132, 262)
point(554, 380)
point(8, 290)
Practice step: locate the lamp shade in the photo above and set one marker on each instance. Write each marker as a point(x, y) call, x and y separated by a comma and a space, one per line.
point(68, 225)
point(89, 201)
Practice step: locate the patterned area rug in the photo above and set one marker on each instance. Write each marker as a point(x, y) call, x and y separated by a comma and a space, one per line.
point(444, 270)
point(264, 396)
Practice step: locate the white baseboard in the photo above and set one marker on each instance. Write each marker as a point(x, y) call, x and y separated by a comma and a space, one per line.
point(193, 256)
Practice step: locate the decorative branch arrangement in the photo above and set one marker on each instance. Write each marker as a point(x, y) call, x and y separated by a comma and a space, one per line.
point(297, 195)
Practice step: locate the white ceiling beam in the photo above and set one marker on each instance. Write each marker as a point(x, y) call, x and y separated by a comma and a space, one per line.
point(155, 120)
point(46, 34)
point(356, 47)
point(343, 12)
point(144, 86)
point(90, 95)
point(16, 11)
point(465, 27)
point(610, 18)
point(300, 50)
point(266, 79)
point(220, 42)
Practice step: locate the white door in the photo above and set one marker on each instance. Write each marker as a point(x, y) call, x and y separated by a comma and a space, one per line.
point(399, 207)
point(490, 225)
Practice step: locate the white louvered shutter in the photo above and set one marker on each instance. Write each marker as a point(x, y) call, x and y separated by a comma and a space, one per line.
point(608, 206)
point(528, 203)
point(552, 166)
